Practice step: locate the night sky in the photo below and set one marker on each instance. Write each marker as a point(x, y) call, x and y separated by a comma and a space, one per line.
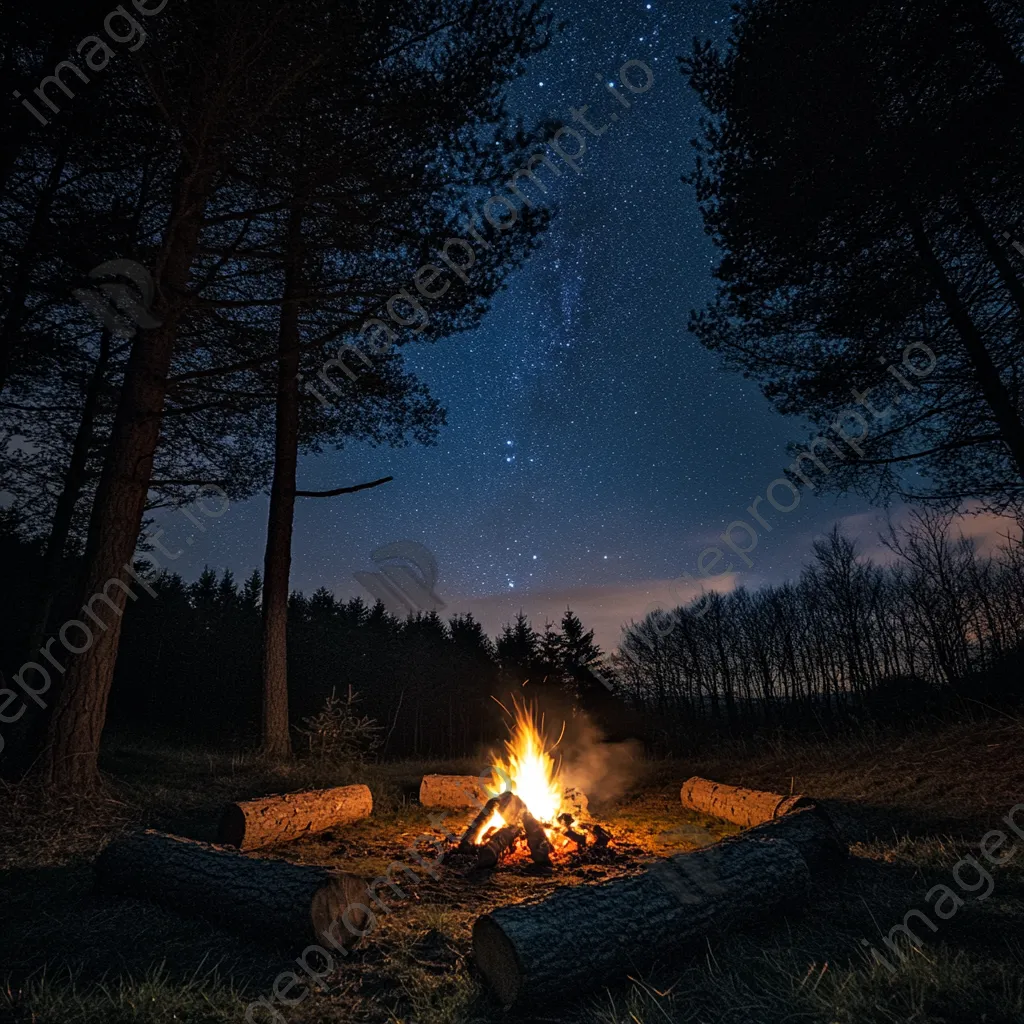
point(593, 448)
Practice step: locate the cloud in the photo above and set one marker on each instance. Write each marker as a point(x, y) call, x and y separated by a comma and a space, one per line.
point(605, 609)
point(986, 530)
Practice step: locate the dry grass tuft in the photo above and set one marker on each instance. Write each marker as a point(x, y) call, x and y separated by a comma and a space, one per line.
point(43, 830)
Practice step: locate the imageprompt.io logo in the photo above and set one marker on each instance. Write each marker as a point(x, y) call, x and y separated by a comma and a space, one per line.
point(406, 580)
point(120, 307)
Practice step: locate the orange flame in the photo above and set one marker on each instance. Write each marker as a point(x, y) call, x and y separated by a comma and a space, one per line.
point(528, 770)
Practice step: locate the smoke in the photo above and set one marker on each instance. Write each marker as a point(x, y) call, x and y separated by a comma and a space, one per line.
point(602, 769)
point(599, 768)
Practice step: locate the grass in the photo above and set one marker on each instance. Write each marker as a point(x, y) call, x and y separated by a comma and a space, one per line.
point(912, 805)
point(155, 998)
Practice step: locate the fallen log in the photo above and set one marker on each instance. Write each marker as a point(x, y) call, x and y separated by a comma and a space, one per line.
point(453, 792)
point(251, 824)
point(746, 807)
point(274, 902)
point(810, 830)
point(532, 952)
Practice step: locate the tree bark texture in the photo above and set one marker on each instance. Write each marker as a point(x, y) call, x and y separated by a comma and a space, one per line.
point(746, 807)
point(532, 952)
point(454, 792)
point(29, 733)
point(250, 824)
point(81, 710)
point(273, 902)
point(278, 557)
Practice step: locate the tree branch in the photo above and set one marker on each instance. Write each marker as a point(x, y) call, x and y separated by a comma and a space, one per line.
point(343, 490)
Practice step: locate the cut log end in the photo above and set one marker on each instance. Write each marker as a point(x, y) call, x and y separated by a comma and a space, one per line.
point(497, 959)
point(794, 803)
point(231, 831)
point(341, 910)
point(272, 901)
point(811, 831)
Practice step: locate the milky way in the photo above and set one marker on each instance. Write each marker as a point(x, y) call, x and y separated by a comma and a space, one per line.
point(593, 448)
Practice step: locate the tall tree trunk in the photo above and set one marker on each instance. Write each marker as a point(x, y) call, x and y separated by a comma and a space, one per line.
point(28, 733)
point(278, 558)
point(995, 392)
point(71, 491)
point(17, 298)
point(72, 760)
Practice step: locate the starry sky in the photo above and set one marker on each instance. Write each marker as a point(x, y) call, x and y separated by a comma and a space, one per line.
point(593, 448)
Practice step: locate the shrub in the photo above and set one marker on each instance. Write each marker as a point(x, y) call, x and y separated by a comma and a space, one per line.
point(339, 734)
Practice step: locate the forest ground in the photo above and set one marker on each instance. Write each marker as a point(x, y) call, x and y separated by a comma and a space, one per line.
point(912, 806)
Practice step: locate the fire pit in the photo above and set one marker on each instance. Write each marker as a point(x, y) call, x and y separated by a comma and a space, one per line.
point(532, 812)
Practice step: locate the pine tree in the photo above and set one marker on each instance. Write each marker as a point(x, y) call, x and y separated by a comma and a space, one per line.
point(229, 78)
point(551, 648)
point(251, 590)
point(469, 637)
point(577, 646)
point(518, 646)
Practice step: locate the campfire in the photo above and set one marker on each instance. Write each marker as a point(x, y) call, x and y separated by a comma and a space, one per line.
point(532, 812)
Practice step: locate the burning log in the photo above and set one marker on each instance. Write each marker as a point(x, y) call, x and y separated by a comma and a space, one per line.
point(741, 806)
point(512, 810)
point(510, 807)
point(540, 848)
point(499, 804)
point(273, 901)
point(468, 840)
point(251, 824)
point(579, 838)
point(453, 792)
point(499, 843)
point(531, 952)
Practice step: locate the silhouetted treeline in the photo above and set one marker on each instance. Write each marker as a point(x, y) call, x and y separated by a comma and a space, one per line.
point(849, 640)
point(188, 669)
